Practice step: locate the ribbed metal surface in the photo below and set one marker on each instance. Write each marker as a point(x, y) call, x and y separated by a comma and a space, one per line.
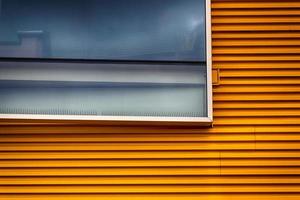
point(252, 152)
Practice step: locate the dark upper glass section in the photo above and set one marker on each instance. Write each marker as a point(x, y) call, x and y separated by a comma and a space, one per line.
point(159, 30)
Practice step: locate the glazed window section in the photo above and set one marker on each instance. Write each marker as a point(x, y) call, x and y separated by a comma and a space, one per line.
point(103, 57)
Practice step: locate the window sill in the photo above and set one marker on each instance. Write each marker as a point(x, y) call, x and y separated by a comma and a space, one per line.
point(23, 119)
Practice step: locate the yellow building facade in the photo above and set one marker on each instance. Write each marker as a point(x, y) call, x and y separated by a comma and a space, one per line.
point(251, 152)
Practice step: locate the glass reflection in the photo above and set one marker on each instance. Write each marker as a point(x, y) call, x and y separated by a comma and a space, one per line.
point(130, 30)
point(103, 29)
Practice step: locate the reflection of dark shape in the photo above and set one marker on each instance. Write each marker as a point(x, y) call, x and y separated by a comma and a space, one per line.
point(28, 44)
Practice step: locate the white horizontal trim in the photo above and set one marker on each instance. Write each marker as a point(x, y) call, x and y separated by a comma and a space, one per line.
point(105, 118)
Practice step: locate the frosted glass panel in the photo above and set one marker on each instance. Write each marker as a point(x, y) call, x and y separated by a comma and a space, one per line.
point(127, 89)
point(107, 101)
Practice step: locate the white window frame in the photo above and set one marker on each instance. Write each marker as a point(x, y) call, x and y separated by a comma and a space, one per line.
point(144, 119)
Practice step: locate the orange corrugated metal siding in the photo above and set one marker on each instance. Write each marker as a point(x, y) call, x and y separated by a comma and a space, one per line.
point(252, 152)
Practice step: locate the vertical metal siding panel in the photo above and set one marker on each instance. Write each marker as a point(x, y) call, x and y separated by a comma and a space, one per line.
point(252, 152)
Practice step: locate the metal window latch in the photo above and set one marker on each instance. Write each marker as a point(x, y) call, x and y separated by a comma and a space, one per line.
point(215, 76)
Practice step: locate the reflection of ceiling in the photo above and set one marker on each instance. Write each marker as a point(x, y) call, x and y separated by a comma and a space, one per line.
point(113, 73)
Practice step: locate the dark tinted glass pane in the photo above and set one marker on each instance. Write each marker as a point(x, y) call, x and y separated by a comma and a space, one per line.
point(103, 29)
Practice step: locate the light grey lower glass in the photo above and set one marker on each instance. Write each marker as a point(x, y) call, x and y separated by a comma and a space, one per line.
point(171, 90)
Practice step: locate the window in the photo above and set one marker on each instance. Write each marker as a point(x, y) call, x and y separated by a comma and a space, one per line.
point(132, 60)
